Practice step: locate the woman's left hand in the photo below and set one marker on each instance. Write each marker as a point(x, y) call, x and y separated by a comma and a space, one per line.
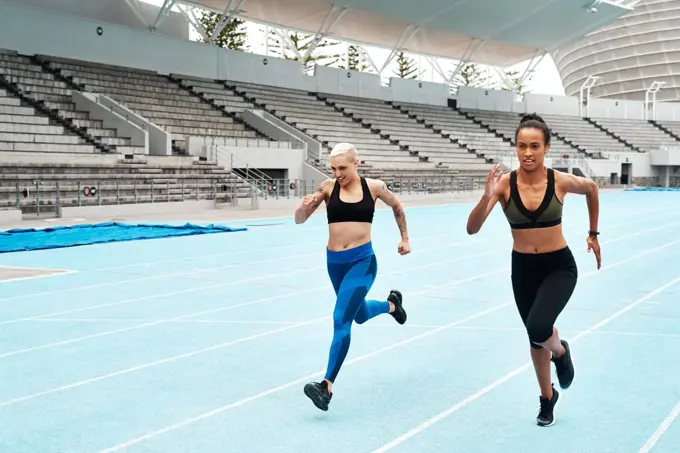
point(594, 245)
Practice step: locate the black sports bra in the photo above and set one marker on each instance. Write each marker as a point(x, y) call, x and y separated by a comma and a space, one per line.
point(548, 213)
point(361, 211)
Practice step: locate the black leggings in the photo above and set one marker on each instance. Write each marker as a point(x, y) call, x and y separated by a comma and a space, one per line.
point(542, 284)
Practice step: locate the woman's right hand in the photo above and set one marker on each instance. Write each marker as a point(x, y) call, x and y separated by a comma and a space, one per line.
point(492, 180)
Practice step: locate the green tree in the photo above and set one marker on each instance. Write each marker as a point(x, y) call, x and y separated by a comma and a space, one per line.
point(517, 87)
point(233, 35)
point(354, 62)
point(406, 67)
point(322, 53)
point(471, 76)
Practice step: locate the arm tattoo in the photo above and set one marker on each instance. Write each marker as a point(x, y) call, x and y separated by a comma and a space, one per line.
point(322, 189)
point(399, 214)
point(400, 217)
point(323, 185)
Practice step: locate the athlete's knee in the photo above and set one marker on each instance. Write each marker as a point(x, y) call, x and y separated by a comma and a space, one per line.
point(362, 315)
point(539, 331)
point(341, 326)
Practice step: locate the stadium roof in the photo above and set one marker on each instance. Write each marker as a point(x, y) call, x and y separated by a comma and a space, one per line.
point(494, 32)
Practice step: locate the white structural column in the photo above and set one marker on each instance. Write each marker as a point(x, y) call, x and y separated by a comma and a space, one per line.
point(651, 92)
point(587, 85)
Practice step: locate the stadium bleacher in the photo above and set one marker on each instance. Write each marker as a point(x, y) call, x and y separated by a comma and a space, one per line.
point(157, 98)
point(641, 134)
point(56, 95)
point(397, 140)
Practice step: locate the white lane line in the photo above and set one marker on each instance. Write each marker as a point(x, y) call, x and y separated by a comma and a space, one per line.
point(355, 360)
point(480, 393)
point(663, 427)
point(230, 343)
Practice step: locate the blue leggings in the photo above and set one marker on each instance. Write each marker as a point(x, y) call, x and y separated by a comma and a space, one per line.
point(352, 273)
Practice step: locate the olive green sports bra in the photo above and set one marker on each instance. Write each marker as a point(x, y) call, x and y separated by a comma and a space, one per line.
point(548, 213)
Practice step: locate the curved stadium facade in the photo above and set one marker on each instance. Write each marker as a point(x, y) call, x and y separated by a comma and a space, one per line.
point(629, 55)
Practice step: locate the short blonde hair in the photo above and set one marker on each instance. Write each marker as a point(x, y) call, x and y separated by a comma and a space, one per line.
point(344, 148)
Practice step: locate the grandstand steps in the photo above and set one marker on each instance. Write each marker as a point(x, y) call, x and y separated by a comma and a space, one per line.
point(612, 134)
point(483, 125)
point(30, 114)
point(261, 104)
point(205, 97)
point(358, 119)
point(571, 143)
point(435, 155)
point(643, 135)
point(171, 106)
point(468, 148)
point(506, 123)
point(325, 124)
point(669, 125)
point(56, 94)
point(419, 113)
point(666, 130)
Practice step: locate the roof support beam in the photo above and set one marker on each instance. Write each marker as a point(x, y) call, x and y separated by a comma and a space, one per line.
point(324, 29)
point(367, 57)
point(135, 9)
point(470, 52)
point(285, 39)
point(164, 11)
point(504, 78)
point(226, 16)
point(193, 20)
point(409, 32)
point(531, 68)
point(434, 64)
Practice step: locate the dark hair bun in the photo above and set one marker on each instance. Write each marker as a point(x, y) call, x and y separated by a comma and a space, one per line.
point(532, 120)
point(531, 117)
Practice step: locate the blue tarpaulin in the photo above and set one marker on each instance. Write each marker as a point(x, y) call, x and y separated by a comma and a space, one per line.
point(23, 239)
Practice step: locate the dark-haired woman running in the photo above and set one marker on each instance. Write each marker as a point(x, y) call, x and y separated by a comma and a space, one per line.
point(544, 271)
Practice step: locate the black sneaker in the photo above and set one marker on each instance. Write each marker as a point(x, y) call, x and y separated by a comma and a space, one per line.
point(564, 367)
point(399, 313)
point(318, 393)
point(546, 415)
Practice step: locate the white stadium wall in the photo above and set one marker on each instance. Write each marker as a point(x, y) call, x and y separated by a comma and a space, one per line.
point(29, 30)
point(63, 35)
point(629, 55)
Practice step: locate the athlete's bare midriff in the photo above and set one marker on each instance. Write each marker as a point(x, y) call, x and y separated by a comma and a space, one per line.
point(538, 240)
point(347, 235)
